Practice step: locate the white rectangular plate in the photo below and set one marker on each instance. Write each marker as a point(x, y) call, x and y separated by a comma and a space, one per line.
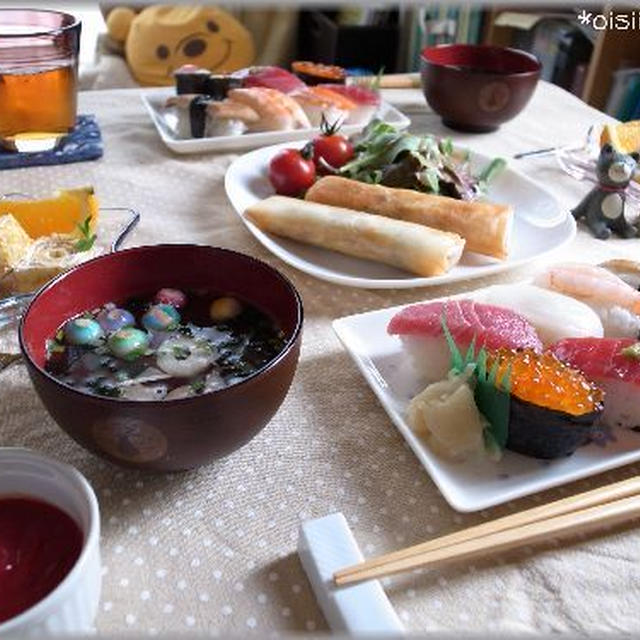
point(466, 486)
point(155, 99)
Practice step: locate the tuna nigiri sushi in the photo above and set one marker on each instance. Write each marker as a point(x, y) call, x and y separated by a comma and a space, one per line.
point(272, 78)
point(614, 365)
point(419, 327)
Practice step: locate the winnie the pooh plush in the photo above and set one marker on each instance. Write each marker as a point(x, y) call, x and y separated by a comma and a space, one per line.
point(160, 39)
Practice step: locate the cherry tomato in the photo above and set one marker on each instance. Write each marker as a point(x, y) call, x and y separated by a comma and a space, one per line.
point(292, 172)
point(334, 149)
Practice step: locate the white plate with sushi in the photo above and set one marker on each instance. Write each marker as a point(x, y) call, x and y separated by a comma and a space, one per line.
point(541, 225)
point(169, 128)
point(563, 325)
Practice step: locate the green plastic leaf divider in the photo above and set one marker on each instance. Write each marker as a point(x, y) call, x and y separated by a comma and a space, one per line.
point(493, 401)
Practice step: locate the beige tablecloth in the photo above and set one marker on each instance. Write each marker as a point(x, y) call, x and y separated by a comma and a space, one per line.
point(214, 549)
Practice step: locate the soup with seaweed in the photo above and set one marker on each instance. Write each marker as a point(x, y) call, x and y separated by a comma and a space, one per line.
point(165, 346)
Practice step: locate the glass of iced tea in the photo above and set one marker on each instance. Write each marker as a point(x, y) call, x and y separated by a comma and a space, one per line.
point(38, 77)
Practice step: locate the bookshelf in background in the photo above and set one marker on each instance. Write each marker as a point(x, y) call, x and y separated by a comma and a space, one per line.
point(594, 78)
point(440, 23)
point(614, 51)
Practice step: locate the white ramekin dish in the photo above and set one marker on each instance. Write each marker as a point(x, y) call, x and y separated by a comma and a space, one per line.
point(72, 606)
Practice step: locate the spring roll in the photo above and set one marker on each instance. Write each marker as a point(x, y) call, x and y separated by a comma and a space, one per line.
point(413, 247)
point(485, 226)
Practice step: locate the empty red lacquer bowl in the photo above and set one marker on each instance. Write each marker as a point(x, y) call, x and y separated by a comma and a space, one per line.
point(475, 87)
point(164, 435)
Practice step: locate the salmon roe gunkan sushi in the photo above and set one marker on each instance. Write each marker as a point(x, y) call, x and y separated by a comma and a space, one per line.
point(547, 382)
point(553, 409)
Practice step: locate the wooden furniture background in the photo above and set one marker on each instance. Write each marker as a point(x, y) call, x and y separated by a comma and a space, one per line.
point(613, 49)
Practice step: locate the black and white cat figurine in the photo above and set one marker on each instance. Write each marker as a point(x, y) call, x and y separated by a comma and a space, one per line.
point(603, 207)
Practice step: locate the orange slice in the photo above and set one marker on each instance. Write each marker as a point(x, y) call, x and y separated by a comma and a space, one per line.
point(624, 137)
point(61, 213)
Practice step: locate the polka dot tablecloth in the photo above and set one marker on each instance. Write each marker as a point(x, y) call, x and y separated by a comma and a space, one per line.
point(213, 550)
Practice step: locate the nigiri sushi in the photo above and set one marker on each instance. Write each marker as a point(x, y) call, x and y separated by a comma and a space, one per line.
point(276, 110)
point(317, 102)
point(366, 100)
point(419, 326)
point(616, 302)
point(198, 116)
point(272, 78)
point(554, 316)
point(627, 270)
point(614, 365)
point(177, 114)
point(553, 408)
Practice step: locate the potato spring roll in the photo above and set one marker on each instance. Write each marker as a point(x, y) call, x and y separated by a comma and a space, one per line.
point(413, 247)
point(485, 226)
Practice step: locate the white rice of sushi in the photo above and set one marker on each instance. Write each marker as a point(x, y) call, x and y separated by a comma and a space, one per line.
point(429, 357)
point(618, 322)
point(553, 315)
point(223, 127)
point(177, 120)
point(362, 114)
point(331, 114)
point(621, 406)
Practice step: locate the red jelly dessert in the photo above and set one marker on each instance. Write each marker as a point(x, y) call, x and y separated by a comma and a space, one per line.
point(39, 545)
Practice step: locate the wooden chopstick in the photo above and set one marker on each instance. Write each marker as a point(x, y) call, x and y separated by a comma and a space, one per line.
point(583, 521)
point(388, 81)
point(421, 554)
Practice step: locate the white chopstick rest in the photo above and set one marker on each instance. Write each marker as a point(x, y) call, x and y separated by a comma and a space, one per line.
point(326, 545)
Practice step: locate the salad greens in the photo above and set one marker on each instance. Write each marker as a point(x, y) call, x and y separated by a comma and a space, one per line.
point(384, 155)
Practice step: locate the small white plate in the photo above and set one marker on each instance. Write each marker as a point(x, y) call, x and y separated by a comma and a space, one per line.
point(541, 225)
point(155, 99)
point(466, 486)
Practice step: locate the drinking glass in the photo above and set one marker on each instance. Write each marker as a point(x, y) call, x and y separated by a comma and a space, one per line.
point(38, 77)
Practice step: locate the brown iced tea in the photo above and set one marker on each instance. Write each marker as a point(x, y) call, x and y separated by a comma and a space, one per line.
point(38, 101)
point(38, 77)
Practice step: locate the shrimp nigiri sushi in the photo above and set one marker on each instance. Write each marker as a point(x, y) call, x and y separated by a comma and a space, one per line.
point(276, 110)
point(419, 326)
point(614, 364)
point(615, 301)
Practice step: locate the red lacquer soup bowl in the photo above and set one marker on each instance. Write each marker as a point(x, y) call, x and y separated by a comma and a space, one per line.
point(477, 87)
point(164, 435)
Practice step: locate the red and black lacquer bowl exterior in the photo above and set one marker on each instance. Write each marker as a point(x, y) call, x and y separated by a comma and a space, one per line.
point(175, 434)
point(476, 87)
